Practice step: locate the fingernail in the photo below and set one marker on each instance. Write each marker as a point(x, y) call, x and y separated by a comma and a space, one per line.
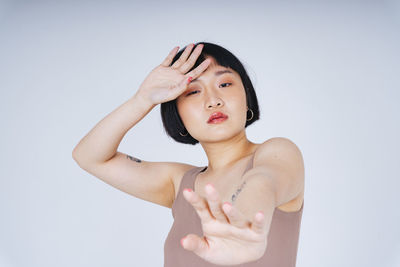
point(188, 189)
point(190, 79)
point(260, 215)
point(227, 203)
point(182, 241)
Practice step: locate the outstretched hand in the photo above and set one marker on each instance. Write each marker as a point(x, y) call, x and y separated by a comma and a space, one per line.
point(229, 238)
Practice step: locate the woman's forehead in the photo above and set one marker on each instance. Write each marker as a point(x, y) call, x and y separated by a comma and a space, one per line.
point(214, 71)
point(213, 63)
point(214, 67)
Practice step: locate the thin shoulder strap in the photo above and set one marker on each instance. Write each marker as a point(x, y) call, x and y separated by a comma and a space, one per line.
point(186, 181)
point(250, 164)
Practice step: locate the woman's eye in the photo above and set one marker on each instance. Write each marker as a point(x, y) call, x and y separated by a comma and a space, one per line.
point(192, 92)
point(225, 83)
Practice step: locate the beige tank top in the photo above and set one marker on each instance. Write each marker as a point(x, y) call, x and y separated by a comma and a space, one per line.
point(283, 235)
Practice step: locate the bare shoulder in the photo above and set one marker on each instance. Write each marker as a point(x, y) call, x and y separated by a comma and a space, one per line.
point(178, 170)
point(281, 152)
point(279, 143)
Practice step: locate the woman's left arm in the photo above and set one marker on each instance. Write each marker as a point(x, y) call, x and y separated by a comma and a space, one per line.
point(278, 170)
point(235, 234)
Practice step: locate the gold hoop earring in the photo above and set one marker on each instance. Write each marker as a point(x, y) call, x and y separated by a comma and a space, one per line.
point(182, 134)
point(252, 114)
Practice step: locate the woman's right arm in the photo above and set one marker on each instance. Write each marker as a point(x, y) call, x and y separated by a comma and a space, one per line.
point(97, 152)
point(101, 143)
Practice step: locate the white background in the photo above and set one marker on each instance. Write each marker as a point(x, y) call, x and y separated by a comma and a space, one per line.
point(326, 75)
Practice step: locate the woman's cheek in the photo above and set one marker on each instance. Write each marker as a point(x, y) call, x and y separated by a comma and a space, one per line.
point(192, 115)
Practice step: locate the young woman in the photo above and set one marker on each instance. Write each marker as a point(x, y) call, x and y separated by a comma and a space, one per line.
point(245, 207)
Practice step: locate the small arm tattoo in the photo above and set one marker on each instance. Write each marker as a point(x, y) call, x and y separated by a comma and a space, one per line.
point(235, 195)
point(133, 158)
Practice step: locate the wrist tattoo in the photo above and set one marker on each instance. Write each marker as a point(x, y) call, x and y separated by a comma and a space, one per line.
point(235, 195)
point(133, 158)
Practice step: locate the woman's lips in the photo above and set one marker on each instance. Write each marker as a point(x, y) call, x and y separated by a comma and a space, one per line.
point(218, 120)
point(217, 117)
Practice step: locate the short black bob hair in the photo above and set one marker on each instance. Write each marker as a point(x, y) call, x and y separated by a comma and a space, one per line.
point(169, 113)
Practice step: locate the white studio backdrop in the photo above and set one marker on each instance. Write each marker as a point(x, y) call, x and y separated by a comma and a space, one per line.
point(326, 76)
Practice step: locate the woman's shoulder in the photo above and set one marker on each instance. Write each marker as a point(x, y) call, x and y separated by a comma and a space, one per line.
point(278, 140)
point(178, 170)
point(282, 150)
point(275, 146)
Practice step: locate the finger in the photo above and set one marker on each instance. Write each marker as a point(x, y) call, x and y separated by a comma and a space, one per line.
point(214, 203)
point(181, 87)
point(183, 56)
point(199, 204)
point(195, 243)
point(192, 59)
point(170, 56)
point(235, 217)
point(202, 67)
point(259, 223)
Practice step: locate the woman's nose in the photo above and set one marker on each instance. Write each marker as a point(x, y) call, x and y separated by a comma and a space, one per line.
point(214, 103)
point(213, 99)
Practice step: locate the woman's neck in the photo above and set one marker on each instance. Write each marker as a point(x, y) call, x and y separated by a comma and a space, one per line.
point(222, 155)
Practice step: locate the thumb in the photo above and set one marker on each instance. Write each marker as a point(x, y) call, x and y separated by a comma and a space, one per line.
point(195, 243)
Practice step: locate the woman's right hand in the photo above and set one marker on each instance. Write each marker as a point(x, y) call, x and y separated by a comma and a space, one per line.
point(165, 83)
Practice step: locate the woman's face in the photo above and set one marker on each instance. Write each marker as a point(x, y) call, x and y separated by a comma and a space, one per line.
point(217, 89)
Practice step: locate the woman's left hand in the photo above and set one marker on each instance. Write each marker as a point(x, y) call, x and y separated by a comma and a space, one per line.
point(229, 238)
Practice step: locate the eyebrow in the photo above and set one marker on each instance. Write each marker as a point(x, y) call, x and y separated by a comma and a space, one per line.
point(217, 73)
